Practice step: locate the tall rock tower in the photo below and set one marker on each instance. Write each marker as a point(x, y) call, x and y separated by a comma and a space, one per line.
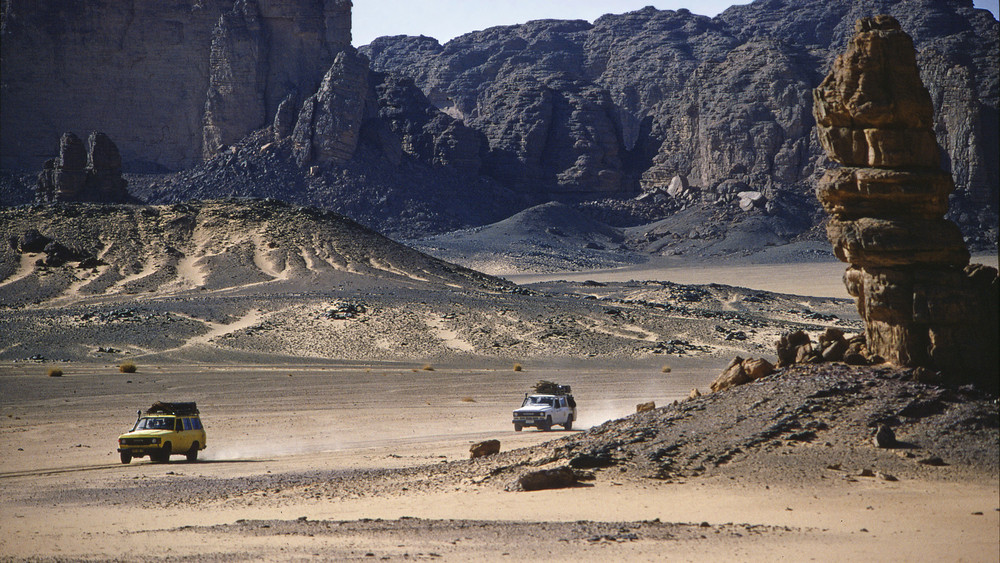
point(922, 303)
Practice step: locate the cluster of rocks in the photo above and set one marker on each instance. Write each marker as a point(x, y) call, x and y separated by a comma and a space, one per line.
point(56, 253)
point(833, 346)
point(679, 193)
point(922, 303)
point(343, 310)
point(798, 348)
point(92, 173)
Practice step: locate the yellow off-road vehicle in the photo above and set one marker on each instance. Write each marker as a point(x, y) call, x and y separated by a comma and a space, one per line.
point(165, 429)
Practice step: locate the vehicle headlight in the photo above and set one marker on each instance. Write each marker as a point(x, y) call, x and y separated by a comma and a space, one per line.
point(155, 441)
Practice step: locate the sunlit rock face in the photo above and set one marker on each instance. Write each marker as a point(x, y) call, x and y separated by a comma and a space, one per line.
point(923, 304)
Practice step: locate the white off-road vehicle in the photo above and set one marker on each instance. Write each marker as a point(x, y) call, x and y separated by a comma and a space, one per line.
point(543, 410)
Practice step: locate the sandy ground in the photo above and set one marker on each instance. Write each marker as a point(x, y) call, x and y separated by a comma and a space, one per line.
point(275, 433)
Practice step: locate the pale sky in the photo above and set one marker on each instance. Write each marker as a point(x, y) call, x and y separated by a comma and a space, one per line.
point(446, 19)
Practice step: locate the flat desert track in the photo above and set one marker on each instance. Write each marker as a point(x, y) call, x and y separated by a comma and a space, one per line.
point(271, 427)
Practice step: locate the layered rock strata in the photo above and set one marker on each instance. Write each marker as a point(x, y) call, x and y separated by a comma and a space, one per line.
point(922, 303)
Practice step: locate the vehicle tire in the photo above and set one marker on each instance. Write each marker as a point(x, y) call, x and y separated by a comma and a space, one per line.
point(547, 425)
point(518, 427)
point(126, 457)
point(192, 454)
point(569, 424)
point(163, 456)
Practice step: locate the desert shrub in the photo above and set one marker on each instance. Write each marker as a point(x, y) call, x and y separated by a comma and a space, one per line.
point(517, 367)
point(428, 367)
point(55, 372)
point(127, 367)
point(666, 369)
point(468, 400)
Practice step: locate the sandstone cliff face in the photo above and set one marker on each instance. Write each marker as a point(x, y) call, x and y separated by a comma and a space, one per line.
point(651, 95)
point(169, 81)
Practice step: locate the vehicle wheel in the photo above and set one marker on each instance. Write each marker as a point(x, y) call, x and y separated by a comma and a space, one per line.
point(569, 424)
point(192, 454)
point(518, 427)
point(164, 454)
point(126, 457)
point(547, 425)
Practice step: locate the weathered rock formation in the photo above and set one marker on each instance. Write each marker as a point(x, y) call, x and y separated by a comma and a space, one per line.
point(170, 81)
point(83, 174)
point(626, 104)
point(329, 125)
point(923, 305)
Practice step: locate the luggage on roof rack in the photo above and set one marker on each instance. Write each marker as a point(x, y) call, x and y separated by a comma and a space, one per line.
point(160, 407)
point(550, 388)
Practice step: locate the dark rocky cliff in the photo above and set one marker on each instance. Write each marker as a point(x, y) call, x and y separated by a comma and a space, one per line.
point(627, 103)
point(170, 81)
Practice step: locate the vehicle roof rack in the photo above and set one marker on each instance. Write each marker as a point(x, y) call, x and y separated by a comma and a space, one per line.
point(160, 407)
point(550, 388)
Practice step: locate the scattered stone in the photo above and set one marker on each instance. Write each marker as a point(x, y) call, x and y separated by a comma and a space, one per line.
point(485, 448)
point(643, 407)
point(740, 372)
point(884, 437)
point(934, 461)
point(558, 478)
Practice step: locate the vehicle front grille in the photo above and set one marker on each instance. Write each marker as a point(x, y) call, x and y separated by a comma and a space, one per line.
point(137, 441)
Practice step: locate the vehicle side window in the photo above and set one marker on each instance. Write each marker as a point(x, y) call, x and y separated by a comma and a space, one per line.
point(196, 423)
point(178, 425)
point(187, 424)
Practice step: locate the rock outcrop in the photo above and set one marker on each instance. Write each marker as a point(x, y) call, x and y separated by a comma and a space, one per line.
point(170, 81)
point(923, 305)
point(329, 125)
point(571, 109)
point(90, 174)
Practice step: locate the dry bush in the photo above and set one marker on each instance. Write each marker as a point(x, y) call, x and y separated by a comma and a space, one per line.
point(517, 367)
point(428, 367)
point(666, 369)
point(55, 372)
point(468, 400)
point(127, 367)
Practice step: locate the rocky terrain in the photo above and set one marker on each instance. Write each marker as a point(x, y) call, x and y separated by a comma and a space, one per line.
point(261, 279)
point(634, 100)
point(171, 83)
point(684, 128)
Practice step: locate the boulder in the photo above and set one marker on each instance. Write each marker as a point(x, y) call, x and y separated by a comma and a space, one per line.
point(645, 407)
point(884, 437)
point(558, 478)
point(678, 185)
point(788, 347)
point(485, 448)
point(740, 372)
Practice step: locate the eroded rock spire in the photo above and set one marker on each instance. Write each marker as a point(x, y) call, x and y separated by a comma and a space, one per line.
point(922, 303)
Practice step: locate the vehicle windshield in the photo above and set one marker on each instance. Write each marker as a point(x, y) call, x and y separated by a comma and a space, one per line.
point(543, 401)
point(154, 423)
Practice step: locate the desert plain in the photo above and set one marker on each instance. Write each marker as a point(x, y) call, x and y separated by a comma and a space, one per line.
point(368, 460)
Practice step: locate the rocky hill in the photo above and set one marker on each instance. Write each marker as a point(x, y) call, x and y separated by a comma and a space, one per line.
point(260, 280)
point(682, 128)
point(627, 103)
